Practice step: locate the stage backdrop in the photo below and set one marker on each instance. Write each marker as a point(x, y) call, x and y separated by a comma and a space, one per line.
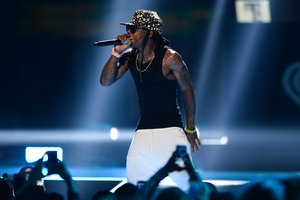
point(244, 74)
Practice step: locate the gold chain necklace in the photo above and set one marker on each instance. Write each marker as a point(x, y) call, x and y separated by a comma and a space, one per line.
point(136, 64)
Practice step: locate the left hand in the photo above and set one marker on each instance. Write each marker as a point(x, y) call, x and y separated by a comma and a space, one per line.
point(193, 140)
point(36, 172)
point(171, 165)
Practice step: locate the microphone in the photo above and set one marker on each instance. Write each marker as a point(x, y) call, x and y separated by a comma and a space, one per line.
point(108, 42)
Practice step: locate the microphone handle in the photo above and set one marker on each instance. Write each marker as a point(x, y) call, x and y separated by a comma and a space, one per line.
point(108, 42)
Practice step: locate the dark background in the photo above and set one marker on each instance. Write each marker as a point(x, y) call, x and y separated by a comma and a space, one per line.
point(50, 68)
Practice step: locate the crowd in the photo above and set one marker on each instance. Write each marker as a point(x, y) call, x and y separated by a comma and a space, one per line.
point(27, 184)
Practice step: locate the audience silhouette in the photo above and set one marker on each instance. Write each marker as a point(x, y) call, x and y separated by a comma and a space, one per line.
point(27, 184)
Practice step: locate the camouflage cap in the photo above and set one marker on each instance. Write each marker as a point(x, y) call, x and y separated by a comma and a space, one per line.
point(146, 19)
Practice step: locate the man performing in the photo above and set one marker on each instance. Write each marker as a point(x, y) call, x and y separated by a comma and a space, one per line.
point(157, 70)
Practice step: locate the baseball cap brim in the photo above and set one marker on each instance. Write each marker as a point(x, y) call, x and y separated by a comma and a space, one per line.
point(126, 23)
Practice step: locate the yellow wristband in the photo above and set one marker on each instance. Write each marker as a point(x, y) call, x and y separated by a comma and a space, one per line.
point(189, 131)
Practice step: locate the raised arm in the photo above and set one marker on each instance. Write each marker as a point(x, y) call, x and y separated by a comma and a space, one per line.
point(65, 174)
point(175, 63)
point(113, 69)
point(111, 72)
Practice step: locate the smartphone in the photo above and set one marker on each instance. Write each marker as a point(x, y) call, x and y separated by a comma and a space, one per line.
point(181, 150)
point(180, 155)
point(140, 184)
point(49, 163)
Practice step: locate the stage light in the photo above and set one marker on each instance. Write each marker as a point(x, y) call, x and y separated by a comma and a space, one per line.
point(224, 140)
point(114, 133)
point(215, 141)
point(100, 104)
point(32, 154)
point(253, 11)
point(207, 58)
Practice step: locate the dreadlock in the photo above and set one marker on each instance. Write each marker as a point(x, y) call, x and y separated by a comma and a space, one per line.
point(160, 42)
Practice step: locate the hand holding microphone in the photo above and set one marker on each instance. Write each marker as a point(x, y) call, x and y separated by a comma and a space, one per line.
point(126, 43)
point(121, 43)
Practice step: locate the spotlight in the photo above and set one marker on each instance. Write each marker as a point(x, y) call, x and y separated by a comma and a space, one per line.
point(114, 133)
point(253, 11)
point(224, 140)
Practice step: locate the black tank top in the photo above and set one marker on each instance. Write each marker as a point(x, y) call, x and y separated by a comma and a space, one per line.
point(157, 95)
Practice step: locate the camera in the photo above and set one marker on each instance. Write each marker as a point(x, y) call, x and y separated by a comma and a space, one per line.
point(180, 153)
point(50, 162)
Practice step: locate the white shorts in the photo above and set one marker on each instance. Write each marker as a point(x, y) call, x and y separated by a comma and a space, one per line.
point(150, 149)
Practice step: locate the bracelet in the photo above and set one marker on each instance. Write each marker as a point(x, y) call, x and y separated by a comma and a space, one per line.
point(189, 131)
point(115, 54)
